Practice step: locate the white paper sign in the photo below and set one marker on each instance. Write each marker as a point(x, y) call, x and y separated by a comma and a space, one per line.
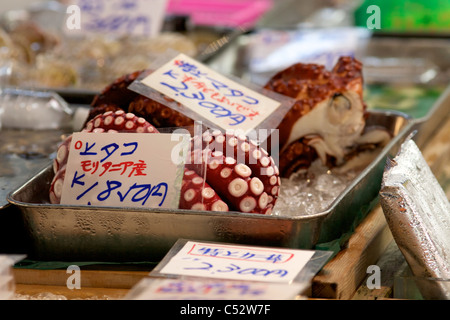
point(125, 170)
point(209, 289)
point(223, 102)
point(237, 262)
point(116, 17)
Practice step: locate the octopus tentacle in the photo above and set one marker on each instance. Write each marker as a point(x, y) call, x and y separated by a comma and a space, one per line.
point(241, 172)
point(117, 93)
point(246, 180)
point(235, 183)
point(328, 105)
point(197, 194)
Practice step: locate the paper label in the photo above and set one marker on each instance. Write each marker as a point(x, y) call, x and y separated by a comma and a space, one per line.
point(188, 289)
point(117, 17)
point(224, 103)
point(125, 170)
point(237, 262)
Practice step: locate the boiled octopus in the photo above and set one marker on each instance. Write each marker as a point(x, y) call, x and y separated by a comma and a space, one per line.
point(326, 122)
point(240, 176)
point(235, 167)
point(328, 118)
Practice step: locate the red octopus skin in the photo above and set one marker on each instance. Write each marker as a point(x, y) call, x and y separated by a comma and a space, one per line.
point(197, 194)
point(158, 114)
point(117, 96)
point(309, 85)
point(117, 93)
point(241, 172)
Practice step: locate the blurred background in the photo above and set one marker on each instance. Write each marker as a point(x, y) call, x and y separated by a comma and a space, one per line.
point(403, 44)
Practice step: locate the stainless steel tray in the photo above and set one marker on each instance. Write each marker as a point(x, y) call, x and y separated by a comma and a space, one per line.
point(84, 233)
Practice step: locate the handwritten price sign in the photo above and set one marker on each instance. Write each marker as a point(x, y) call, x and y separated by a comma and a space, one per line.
point(124, 169)
point(120, 17)
point(188, 289)
point(237, 262)
point(222, 102)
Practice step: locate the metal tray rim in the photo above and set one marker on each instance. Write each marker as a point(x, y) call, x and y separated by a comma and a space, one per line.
point(13, 201)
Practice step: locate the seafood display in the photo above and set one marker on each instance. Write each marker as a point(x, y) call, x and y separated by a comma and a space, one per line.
point(137, 141)
point(240, 176)
point(37, 58)
point(328, 118)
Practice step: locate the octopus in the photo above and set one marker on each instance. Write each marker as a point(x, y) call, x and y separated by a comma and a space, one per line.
point(327, 120)
point(223, 172)
point(236, 168)
point(117, 96)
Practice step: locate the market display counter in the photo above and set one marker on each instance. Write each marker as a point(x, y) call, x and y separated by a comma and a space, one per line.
point(345, 276)
point(339, 279)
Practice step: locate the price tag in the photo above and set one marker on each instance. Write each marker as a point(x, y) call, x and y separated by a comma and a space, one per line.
point(235, 262)
point(190, 289)
point(125, 170)
point(116, 17)
point(208, 95)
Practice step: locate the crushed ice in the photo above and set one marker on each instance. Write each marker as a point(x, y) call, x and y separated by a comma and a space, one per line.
point(311, 191)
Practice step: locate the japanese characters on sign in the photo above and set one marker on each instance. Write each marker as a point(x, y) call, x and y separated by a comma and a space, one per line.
point(118, 17)
point(222, 102)
point(123, 169)
point(237, 262)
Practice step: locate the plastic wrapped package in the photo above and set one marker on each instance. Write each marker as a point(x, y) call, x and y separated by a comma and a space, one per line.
point(418, 214)
point(35, 110)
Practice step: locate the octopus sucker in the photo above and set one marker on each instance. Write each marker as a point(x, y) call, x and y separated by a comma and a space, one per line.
point(108, 120)
point(243, 170)
point(247, 204)
point(238, 187)
point(237, 175)
point(219, 205)
point(256, 186)
point(61, 154)
point(199, 207)
point(225, 173)
point(263, 200)
point(327, 120)
point(208, 193)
